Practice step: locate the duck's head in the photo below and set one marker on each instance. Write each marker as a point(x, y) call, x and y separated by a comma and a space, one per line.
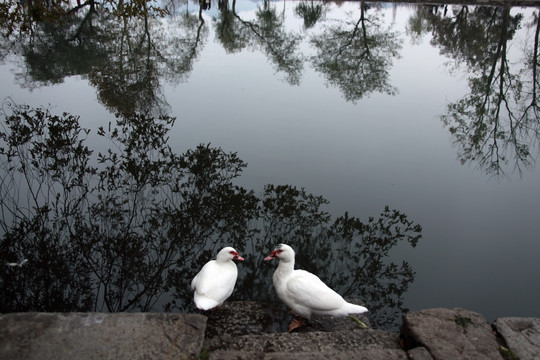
point(228, 253)
point(283, 252)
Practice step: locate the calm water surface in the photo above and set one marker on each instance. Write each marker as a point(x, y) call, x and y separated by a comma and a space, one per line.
point(429, 111)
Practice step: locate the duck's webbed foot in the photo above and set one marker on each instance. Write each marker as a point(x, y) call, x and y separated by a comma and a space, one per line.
point(296, 323)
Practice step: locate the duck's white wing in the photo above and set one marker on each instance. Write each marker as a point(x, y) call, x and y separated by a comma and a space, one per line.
point(306, 289)
point(195, 281)
point(215, 281)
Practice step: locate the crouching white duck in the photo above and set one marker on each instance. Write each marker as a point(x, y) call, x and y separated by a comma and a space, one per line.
point(215, 282)
point(304, 293)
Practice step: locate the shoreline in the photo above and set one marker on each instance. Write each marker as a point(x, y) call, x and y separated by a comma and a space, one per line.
point(240, 330)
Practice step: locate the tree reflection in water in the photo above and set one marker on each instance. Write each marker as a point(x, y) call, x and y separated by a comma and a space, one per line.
point(127, 229)
point(497, 123)
point(310, 12)
point(265, 33)
point(126, 51)
point(356, 56)
point(123, 49)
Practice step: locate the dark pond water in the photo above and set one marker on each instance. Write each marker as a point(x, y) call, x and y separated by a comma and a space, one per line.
point(393, 146)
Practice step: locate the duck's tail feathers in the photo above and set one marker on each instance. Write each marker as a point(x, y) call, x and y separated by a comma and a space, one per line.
point(203, 302)
point(356, 309)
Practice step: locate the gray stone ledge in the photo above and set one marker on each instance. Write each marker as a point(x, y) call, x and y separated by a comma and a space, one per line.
point(248, 330)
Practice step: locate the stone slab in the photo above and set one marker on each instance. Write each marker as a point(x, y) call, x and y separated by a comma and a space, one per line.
point(451, 334)
point(522, 335)
point(363, 354)
point(61, 336)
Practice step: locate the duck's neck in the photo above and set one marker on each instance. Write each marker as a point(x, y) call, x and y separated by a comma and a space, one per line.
point(285, 267)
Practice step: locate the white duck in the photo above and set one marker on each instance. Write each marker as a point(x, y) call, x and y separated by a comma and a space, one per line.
point(304, 293)
point(215, 282)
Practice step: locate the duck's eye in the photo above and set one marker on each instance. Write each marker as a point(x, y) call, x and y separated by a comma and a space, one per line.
point(233, 253)
point(279, 251)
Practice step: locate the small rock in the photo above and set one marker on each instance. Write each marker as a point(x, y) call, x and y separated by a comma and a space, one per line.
point(522, 335)
point(419, 353)
point(450, 334)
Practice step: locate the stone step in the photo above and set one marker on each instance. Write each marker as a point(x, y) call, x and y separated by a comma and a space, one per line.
point(251, 318)
point(365, 354)
point(238, 328)
point(252, 330)
point(306, 342)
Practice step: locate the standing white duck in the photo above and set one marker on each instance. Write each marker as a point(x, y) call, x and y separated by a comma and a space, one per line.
point(215, 282)
point(304, 293)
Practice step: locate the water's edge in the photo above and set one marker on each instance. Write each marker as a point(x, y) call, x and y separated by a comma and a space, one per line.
point(226, 333)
